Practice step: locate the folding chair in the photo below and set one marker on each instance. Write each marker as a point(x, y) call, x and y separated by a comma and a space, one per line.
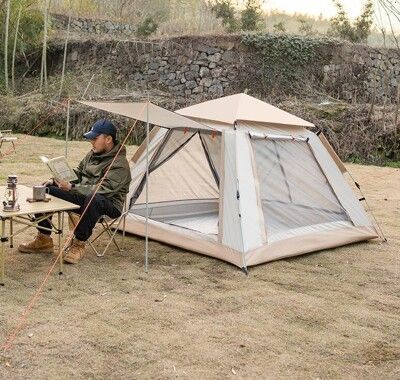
point(5, 136)
point(109, 226)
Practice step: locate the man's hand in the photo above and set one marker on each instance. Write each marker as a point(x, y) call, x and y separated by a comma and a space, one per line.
point(49, 182)
point(63, 185)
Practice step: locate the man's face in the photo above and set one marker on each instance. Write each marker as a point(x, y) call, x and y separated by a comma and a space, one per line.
point(101, 144)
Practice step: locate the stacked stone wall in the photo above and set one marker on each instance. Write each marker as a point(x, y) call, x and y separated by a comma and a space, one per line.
point(197, 68)
point(92, 26)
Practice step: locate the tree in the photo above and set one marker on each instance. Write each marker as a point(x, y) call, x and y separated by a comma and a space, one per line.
point(25, 33)
point(342, 27)
point(363, 23)
point(251, 16)
point(224, 10)
point(6, 44)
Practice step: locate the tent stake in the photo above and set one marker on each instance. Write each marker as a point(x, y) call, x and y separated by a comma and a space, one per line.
point(146, 258)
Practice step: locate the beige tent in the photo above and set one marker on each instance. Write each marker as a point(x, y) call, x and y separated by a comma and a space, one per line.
point(240, 180)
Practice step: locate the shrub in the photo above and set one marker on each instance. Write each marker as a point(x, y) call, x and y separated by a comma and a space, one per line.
point(147, 27)
point(279, 27)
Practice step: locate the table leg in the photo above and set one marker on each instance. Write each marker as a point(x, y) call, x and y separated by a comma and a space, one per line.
point(59, 242)
point(11, 233)
point(2, 251)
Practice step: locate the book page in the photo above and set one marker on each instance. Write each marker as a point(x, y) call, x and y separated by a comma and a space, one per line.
point(60, 168)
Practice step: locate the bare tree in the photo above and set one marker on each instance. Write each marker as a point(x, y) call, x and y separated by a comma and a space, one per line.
point(15, 50)
point(6, 45)
point(65, 51)
point(43, 70)
point(392, 10)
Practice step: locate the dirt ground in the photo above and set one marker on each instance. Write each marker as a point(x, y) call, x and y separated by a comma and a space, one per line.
point(330, 314)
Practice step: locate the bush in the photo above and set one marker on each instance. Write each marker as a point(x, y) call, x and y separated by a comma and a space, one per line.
point(279, 27)
point(305, 27)
point(147, 27)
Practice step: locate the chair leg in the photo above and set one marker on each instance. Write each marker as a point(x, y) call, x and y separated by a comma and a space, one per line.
point(94, 249)
point(123, 231)
point(111, 234)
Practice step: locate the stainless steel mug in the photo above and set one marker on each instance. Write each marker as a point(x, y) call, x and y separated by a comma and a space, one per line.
point(39, 192)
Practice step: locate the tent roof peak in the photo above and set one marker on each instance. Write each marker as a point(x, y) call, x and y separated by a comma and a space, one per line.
point(231, 108)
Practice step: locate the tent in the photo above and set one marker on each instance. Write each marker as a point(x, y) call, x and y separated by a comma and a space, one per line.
point(238, 179)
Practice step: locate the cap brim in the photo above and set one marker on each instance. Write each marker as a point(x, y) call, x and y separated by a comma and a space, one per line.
point(91, 135)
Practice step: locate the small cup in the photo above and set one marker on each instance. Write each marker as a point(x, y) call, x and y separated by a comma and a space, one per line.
point(39, 192)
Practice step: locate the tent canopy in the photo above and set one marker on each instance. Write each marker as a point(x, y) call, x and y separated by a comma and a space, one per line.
point(242, 107)
point(141, 110)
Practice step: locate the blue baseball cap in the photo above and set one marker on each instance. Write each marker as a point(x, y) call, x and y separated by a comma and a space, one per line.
point(101, 126)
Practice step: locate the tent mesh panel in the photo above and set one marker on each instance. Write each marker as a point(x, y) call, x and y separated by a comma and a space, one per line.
point(294, 191)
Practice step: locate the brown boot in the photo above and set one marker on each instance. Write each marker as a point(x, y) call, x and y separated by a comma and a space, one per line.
point(75, 252)
point(41, 244)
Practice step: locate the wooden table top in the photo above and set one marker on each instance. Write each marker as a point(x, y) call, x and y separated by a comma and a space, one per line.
point(55, 204)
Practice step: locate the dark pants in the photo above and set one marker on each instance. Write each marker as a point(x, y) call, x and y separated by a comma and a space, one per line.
point(98, 207)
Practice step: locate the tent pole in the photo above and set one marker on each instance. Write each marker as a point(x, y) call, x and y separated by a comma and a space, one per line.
point(146, 258)
point(67, 131)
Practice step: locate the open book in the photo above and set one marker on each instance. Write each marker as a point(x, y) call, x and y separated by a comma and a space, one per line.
point(60, 168)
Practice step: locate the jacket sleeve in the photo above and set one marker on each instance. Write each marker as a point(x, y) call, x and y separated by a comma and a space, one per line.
point(84, 189)
point(112, 183)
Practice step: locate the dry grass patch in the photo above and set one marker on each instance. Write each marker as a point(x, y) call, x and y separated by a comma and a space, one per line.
point(331, 314)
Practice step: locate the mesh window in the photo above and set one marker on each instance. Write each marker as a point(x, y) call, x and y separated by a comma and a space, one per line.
point(294, 191)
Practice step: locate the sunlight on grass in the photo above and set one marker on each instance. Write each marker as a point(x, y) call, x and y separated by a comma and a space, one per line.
point(26, 162)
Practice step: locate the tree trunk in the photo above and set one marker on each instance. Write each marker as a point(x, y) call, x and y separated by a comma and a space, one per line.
point(43, 71)
point(65, 53)
point(15, 51)
point(6, 45)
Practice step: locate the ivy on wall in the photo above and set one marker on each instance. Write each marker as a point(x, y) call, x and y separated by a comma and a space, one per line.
point(288, 60)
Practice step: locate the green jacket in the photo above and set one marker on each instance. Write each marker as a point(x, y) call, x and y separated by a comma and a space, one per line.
point(92, 169)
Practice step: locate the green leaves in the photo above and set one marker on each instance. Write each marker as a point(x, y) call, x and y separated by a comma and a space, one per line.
point(286, 58)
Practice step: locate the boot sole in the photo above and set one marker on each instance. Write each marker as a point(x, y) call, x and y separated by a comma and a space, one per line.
point(23, 250)
point(70, 261)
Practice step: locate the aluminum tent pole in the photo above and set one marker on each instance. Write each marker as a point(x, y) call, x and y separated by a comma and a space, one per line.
point(67, 130)
point(146, 256)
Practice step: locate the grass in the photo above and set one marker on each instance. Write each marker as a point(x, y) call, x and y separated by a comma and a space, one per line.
point(329, 314)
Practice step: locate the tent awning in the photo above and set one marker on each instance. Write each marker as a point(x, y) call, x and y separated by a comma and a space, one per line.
point(156, 115)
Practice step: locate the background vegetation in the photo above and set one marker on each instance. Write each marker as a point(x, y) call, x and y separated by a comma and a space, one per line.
point(284, 42)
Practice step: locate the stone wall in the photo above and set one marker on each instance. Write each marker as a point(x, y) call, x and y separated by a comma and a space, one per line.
point(190, 69)
point(358, 72)
point(91, 26)
point(194, 69)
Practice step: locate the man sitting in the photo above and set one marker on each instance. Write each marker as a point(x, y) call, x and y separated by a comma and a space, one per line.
point(109, 199)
